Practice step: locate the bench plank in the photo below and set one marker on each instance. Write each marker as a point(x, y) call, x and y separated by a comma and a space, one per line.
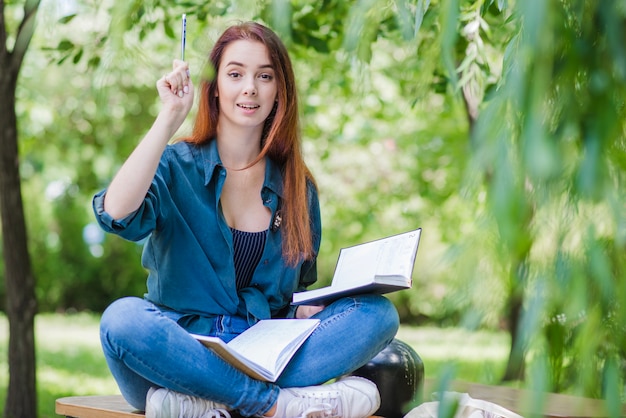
point(527, 402)
point(113, 406)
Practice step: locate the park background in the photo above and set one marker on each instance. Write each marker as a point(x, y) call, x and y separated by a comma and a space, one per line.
point(495, 125)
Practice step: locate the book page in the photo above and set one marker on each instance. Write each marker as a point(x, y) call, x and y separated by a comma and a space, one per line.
point(264, 349)
point(392, 256)
point(268, 338)
point(356, 265)
point(271, 343)
point(397, 255)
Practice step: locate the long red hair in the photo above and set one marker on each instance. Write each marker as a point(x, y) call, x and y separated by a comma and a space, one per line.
point(280, 140)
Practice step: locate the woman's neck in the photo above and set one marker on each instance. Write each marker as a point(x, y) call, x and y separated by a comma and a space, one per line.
point(238, 148)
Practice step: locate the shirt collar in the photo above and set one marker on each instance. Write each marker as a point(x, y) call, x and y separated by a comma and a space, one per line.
point(211, 161)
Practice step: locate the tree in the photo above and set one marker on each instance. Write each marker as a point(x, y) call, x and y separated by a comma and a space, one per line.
point(550, 143)
point(20, 282)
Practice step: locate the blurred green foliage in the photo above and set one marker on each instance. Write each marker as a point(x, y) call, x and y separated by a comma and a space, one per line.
point(497, 126)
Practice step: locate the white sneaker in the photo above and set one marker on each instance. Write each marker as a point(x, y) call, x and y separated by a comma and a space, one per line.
point(165, 403)
point(349, 397)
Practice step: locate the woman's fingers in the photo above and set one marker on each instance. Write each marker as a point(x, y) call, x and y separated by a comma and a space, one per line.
point(178, 79)
point(176, 89)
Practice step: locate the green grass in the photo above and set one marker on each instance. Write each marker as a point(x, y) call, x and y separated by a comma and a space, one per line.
point(70, 361)
point(474, 356)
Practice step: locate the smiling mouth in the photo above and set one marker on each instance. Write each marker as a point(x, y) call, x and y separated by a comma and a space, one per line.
point(248, 107)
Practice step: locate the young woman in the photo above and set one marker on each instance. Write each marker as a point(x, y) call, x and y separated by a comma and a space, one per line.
point(233, 224)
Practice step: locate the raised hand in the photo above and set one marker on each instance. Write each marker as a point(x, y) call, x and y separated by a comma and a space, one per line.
point(176, 89)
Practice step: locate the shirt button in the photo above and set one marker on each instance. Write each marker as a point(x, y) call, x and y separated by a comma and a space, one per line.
point(266, 262)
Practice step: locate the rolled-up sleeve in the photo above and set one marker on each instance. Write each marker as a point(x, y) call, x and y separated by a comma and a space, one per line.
point(133, 227)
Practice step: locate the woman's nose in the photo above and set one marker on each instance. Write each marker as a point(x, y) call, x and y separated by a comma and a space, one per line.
point(250, 89)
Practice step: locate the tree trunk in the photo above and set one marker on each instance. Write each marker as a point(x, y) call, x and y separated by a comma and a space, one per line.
point(20, 283)
point(515, 367)
point(21, 304)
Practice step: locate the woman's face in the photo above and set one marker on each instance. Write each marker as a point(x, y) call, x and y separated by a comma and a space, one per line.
point(246, 85)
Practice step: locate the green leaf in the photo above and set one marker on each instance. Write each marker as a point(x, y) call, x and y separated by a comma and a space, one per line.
point(508, 59)
point(63, 58)
point(422, 8)
point(65, 45)
point(318, 44)
point(358, 22)
point(94, 62)
point(449, 34)
point(364, 24)
point(612, 379)
point(78, 56)
point(281, 18)
point(406, 26)
point(67, 19)
point(169, 31)
point(31, 5)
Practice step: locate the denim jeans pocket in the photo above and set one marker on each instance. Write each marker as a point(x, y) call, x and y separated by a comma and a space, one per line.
point(228, 327)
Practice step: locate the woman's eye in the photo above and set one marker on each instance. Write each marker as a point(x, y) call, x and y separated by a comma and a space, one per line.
point(267, 77)
point(234, 74)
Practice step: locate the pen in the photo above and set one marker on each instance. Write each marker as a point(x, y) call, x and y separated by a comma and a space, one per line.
point(183, 38)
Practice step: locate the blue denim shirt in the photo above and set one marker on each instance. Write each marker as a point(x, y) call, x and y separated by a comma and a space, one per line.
point(189, 251)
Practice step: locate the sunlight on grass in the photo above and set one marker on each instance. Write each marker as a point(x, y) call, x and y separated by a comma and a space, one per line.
point(449, 343)
point(80, 383)
point(70, 360)
point(476, 356)
point(68, 330)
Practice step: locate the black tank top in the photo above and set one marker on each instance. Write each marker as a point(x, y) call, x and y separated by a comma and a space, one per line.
point(248, 249)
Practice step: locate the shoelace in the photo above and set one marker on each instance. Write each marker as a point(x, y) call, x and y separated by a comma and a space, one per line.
point(320, 411)
point(210, 413)
point(217, 413)
point(192, 408)
point(317, 404)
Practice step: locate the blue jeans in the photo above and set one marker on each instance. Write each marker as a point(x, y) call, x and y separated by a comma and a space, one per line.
point(145, 346)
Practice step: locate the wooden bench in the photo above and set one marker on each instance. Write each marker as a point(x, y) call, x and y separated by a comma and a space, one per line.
point(527, 402)
point(113, 406)
point(517, 400)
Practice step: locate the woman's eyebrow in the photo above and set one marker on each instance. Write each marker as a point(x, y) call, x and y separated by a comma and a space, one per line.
point(239, 64)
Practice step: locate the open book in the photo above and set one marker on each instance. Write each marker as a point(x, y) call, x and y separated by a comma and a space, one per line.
point(380, 266)
point(263, 350)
